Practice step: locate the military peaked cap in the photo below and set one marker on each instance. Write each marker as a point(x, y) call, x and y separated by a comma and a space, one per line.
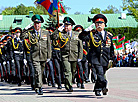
point(68, 21)
point(18, 29)
point(99, 18)
point(78, 27)
point(37, 18)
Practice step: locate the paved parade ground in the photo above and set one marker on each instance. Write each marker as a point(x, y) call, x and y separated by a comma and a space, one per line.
point(122, 84)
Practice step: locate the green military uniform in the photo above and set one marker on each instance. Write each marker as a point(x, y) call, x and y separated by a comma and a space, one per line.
point(40, 51)
point(71, 50)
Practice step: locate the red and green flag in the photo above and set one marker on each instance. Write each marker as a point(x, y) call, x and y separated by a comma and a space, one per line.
point(127, 42)
point(119, 47)
point(114, 46)
point(61, 9)
point(121, 39)
point(115, 38)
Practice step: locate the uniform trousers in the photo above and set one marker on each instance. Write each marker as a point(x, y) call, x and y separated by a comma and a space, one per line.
point(69, 72)
point(20, 66)
point(38, 69)
point(101, 82)
point(57, 71)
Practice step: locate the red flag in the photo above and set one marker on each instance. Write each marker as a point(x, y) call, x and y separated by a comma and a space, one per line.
point(119, 47)
point(122, 39)
point(61, 8)
point(127, 42)
point(115, 38)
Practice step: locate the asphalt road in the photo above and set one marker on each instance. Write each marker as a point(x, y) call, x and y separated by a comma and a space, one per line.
point(122, 84)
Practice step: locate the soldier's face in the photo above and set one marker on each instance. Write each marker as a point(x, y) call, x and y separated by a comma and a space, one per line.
point(99, 26)
point(14, 36)
point(18, 34)
point(68, 28)
point(37, 26)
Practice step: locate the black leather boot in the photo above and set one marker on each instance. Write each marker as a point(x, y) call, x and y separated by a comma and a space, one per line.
point(40, 92)
point(97, 93)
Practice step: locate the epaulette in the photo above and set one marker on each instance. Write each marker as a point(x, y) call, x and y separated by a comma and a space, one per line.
point(110, 33)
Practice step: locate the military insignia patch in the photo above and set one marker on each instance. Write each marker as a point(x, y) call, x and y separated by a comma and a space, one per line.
point(108, 42)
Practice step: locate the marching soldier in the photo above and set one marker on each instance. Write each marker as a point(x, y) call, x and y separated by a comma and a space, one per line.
point(80, 77)
point(101, 51)
point(29, 68)
point(9, 59)
point(3, 59)
point(10, 56)
point(71, 50)
point(56, 60)
point(19, 55)
point(40, 50)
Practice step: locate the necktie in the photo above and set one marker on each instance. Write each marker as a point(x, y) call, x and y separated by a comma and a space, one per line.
point(38, 34)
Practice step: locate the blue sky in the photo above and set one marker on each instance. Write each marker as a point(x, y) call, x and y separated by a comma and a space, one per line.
point(82, 6)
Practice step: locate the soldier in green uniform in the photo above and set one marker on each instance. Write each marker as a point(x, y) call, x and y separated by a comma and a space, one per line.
point(40, 50)
point(71, 50)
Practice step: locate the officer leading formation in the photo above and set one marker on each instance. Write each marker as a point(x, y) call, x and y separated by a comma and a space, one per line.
point(66, 56)
point(101, 51)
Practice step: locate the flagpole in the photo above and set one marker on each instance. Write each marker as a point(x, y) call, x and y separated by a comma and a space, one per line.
point(57, 18)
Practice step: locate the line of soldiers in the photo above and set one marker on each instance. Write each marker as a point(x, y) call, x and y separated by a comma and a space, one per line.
point(60, 56)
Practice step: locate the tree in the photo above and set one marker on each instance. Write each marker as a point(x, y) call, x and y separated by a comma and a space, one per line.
point(8, 11)
point(95, 10)
point(132, 7)
point(23, 10)
point(110, 10)
point(77, 13)
point(20, 10)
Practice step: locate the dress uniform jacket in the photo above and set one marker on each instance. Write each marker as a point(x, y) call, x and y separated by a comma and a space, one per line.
point(9, 51)
point(73, 49)
point(40, 51)
point(104, 52)
point(2, 54)
point(18, 53)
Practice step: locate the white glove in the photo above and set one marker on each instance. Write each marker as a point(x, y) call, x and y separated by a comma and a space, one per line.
point(48, 60)
point(13, 61)
point(25, 61)
point(61, 28)
point(90, 27)
point(4, 62)
point(8, 62)
point(29, 26)
point(79, 60)
point(110, 61)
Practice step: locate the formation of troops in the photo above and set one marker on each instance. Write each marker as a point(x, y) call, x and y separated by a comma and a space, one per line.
point(59, 56)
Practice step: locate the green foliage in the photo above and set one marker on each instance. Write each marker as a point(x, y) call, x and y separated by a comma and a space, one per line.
point(110, 10)
point(23, 10)
point(95, 10)
point(8, 11)
point(132, 7)
point(51, 22)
